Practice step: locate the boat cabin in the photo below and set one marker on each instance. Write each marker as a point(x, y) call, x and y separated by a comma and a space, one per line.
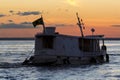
point(54, 48)
point(65, 43)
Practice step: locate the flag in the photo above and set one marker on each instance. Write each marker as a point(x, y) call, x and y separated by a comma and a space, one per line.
point(38, 22)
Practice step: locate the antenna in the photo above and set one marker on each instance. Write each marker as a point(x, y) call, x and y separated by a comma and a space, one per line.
point(80, 25)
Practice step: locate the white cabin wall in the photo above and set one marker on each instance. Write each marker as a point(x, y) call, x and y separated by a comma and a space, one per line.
point(59, 45)
point(38, 44)
point(62, 46)
point(67, 45)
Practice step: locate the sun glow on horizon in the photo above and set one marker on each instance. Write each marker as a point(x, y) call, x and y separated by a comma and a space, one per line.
point(72, 2)
point(103, 15)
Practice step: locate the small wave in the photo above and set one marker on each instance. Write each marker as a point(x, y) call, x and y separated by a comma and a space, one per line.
point(114, 54)
point(10, 65)
point(113, 76)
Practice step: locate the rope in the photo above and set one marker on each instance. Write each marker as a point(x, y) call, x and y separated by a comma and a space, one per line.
point(30, 53)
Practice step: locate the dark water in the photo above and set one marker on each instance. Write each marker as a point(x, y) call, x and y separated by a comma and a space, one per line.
point(13, 53)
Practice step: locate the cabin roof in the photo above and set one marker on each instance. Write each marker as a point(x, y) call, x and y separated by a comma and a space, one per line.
point(100, 37)
point(55, 35)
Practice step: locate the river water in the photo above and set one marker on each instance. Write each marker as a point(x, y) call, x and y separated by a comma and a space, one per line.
point(13, 53)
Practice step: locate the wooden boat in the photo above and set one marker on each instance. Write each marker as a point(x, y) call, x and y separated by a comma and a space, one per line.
point(52, 48)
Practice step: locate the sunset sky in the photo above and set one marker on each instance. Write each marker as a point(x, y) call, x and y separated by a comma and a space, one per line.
point(16, 16)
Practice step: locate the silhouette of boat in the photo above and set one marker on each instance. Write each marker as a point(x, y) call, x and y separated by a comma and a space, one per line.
point(52, 48)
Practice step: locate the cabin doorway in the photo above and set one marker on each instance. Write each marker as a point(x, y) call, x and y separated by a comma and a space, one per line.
point(48, 42)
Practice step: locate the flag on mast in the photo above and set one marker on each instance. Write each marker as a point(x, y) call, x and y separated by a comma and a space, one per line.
point(38, 22)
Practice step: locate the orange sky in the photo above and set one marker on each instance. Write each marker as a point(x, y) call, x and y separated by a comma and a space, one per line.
point(103, 15)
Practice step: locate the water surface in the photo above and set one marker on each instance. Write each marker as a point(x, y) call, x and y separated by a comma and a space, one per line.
point(13, 53)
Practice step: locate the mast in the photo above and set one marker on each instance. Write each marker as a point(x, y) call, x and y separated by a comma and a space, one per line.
point(80, 25)
point(44, 31)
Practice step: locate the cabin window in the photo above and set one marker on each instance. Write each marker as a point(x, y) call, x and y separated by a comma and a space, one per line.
point(48, 42)
point(89, 45)
point(84, 45)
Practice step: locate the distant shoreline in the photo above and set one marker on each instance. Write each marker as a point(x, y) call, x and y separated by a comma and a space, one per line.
point(16, 38)
point(112, 38)
point(33, 38)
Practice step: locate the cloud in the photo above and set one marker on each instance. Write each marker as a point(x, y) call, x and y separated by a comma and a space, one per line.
point(10, 21)
point(2, 15)
point(116, 25)
point(62, 25)
point(26, 23)
point(13, 25)
point(28, 13)
point(11, 11)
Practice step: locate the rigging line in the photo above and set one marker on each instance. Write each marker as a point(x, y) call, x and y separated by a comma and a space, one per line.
point(30, 53)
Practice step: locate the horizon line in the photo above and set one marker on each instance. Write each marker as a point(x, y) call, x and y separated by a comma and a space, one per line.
point(32, 38)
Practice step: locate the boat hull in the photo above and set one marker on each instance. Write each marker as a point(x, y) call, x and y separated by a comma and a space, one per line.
point(62, 60)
